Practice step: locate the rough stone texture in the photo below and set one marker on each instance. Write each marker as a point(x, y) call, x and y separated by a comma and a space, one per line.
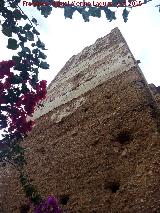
point(97, 136)
point(156, 92)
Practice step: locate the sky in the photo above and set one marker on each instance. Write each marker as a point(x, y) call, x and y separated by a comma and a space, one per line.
point(67, 37)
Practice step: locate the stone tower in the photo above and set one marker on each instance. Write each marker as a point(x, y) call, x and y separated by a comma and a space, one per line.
point(96, 142)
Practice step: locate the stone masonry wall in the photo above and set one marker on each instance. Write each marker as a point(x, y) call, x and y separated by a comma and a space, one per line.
point(96, 143)
point(107, 57)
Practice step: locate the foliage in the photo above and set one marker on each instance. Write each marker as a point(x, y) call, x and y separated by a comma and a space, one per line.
point(20, 89)
point(18, 98)
point(29, 189)
point(125, 15)
point(20, 37)
point(88, 11)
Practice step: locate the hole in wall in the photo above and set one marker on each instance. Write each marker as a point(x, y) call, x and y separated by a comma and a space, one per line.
point(85, 109)
point(64, 199)
point(95, 142)
point(124, 137)
point(108, 96)
point(74, 134)
point(42, 150)
point(24, 208)
point(113, 186)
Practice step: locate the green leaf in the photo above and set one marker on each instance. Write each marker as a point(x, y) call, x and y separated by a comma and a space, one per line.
point(24, 17)
point(21, 30)
point(18, 149)
point(30, 35)
point(20, 67)
point(46, 11)
point(13, 94)
point(34, 80)
point(40, 44)
point(84, 13)
point(25, 75)
point(9, 15)
point(110, 15)
point(125, 15)
point(14, 28)
point(42, 55)
point(27, 27)
point(12, 44)
point(35, 31)
point(26, 49)
point(34, 21)
point(17, 14)
point(85, 16)
point(1, 5)
point(35, 70)
point(19, 160)
point(6, 30)
point(21, 44)
point(36, 199)
point(68, 12)
point(15, 3)
point(29, 190)
point(33, 44)
point(22, 38)
point(24, 88)
point(16, 79)
point(35, 51)
point(44, 65)
point(95, 12)
point(29, 57)
point(36, 62)
point(17, 59)
point(116, 2)
point(22, 54)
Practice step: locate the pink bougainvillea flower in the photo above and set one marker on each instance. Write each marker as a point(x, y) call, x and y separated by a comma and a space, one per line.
point(48, 206)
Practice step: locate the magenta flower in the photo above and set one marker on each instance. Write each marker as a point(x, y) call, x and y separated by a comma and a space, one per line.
point(48, 206)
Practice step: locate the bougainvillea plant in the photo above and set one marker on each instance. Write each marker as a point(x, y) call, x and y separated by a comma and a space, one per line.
point(20, 92)
point(17, 101)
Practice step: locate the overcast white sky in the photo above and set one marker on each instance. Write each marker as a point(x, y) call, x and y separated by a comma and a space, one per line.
point(66, 37)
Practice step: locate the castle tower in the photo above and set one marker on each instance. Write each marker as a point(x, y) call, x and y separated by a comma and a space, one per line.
point(95, 145)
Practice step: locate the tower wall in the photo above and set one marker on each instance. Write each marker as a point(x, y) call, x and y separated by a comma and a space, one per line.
point(96, 140)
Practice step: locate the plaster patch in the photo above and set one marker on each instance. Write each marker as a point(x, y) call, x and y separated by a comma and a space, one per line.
point(62, 113)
